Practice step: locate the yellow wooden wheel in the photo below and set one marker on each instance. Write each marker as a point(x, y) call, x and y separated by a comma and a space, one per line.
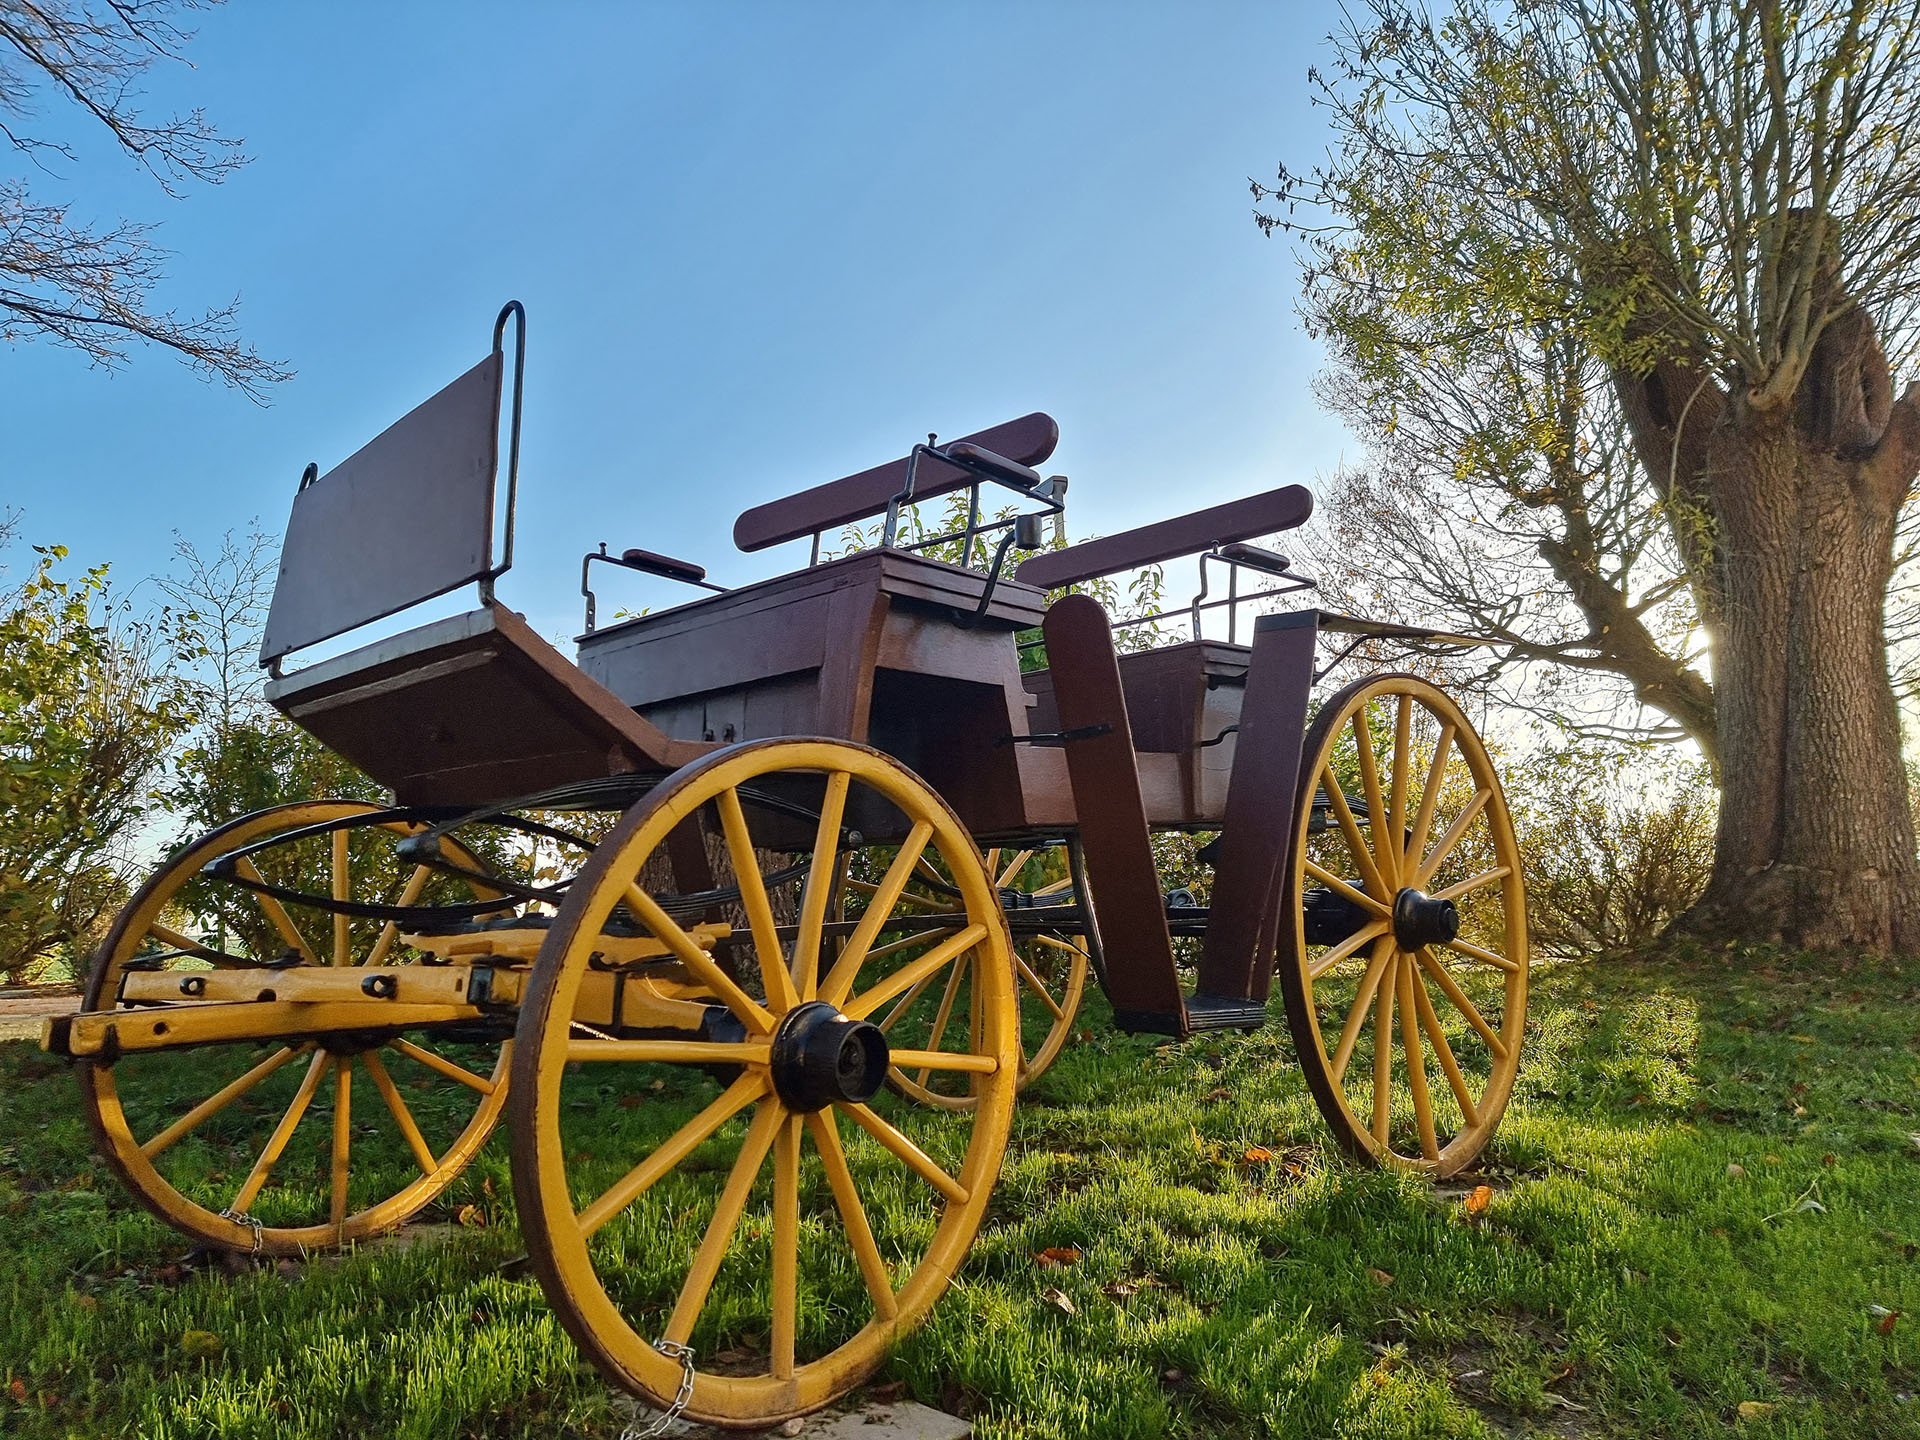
point(1050, 975)
point(1404, 961)
point(208, 1138)
point(663, 1247)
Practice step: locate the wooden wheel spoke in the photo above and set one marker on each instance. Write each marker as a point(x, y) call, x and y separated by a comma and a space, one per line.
point(1383, 1052)
point(1006, 875)
point(283, 1132)
point(1468, 886)
point(216, 1102)
point(1416, 1064)
point(1430, 1022)
point(1485, 957)
point(1357, 1014)
point(786, 1243)
point(669, 1052)
point(726, 1217)
point(1458, 998)
point(904, 1003)
point(819, 887)
point(1055, 888)
point(1397, 794)
point(1443, 847)
point(886, 895)
point(916, 1159)
point(1416, 842)
point(942, 1015)
point(1385, 848)
point(1033, 983)
point(682, 1143)
point(699, 963)
point(1341, 887)
point(944, 1060)
point(390, 932)
point(864, 1004)
point(1350, 829)
point(342, 889)
point(1347, 948)
point(443, 1066)
point(276, 912)
point(774, 974)
point(342, 1133)
point(846, 1198)
point(402, 1117)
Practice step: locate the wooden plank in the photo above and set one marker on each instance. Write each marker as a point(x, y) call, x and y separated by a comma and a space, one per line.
point(1143, 984)
point(1261, 806)
point(1189, 534)
point(1026, 441)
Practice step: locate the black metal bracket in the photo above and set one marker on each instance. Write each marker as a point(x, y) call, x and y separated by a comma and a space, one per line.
point(1056, 737)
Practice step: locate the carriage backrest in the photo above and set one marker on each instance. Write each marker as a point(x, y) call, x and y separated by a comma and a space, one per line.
point(408, 516)
point(1189, 534)
point(1030, 440)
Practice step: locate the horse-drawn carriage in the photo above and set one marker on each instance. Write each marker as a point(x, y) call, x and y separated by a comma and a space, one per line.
point(753, 921)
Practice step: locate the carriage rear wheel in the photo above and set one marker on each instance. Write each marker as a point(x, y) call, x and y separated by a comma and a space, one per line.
point(1404, 963)
point(1050, 963)
point(259, 1145)
point(758, 1218)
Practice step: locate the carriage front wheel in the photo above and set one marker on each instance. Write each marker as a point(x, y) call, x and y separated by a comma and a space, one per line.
point(745, 1209)
point(1404, 963)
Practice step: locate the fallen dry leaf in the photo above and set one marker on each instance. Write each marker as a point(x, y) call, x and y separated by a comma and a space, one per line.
point(1121, 1289)
point(471, 1218)
point(1219, 1092)
point(1802, 1039)
point(630, 1102)
point(1378, 1276)
point(1057, 1255)
point(87, 1302)
point(1887, 1322)
point(1754, 1409)
point(1736, 1171)
point(1060, 1299)
point(1258, 1155)
point(1478, 1201)
point(18, 1389)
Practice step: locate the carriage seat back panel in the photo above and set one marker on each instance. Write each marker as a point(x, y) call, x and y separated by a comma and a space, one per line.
point(406, 517)
point(1178, 697)
point(469, 710)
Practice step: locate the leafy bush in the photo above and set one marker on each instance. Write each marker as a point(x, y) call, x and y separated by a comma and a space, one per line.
point(1613, 854)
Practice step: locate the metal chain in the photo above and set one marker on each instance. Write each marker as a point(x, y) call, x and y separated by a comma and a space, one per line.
point(661, 1422)
point(240, 1217)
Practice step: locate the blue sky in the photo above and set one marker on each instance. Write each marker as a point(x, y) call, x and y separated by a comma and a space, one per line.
point(760, 245)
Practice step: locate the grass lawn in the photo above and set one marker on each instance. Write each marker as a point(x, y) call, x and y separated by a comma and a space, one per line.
point(1704, 1221)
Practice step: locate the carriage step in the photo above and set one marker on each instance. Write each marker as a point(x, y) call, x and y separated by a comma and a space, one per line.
point(1225, 1012)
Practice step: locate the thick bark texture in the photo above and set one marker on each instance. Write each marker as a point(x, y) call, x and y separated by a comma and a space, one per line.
point(1816, 838)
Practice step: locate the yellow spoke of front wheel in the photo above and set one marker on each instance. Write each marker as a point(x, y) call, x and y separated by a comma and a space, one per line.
point(1033, 983)
point(402, 1117)
point(744, 1091)
point(1485, 957)
point(1458, 997)
point(1350, 829)
point(1357, 1014)
point(342, 1134)
point(846, 1197)
point(443, 1066)
point(1346, 948)
point(753, 899)
point(1385, 850)
point(1416, 840)
point(786, 1242)
point(1423, 1005)
point(819, 887)
point(282, 1133)
point(1416, 1063)
point(1443, 847)
point(726, 1216)
point(700, 964)
point(879, 910)
point(916, 1159)
point(864, 1004)
point(1472, 883)
point(1397, 795)
point(342, 888)
point(1341, 887)
point(1383, 1051)
point(217, 1102)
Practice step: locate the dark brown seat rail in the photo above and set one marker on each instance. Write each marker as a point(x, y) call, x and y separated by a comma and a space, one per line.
point(1028, 441)
point(1280, 509)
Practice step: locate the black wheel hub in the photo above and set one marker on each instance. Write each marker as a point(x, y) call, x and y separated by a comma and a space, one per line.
point(821, 1056)
point(1419, 919)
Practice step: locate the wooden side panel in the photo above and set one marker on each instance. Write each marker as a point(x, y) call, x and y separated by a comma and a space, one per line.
point(1145, 987)
point(1238, 959)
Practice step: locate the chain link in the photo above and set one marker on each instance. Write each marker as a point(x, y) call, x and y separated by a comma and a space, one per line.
point(240, 1217)
point(661, 1422)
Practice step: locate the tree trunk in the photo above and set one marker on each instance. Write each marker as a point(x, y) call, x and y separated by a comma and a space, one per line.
point(1816, 839)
